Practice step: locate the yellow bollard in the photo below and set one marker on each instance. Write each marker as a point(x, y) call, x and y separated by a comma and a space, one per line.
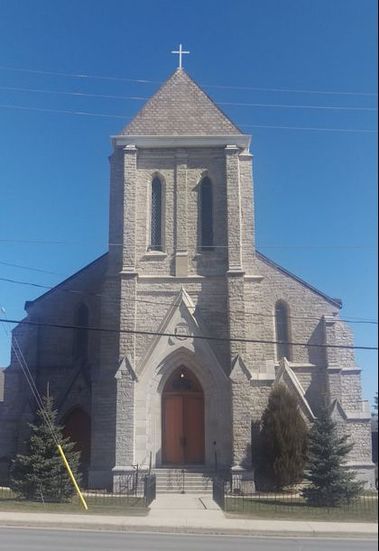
point(83, 501)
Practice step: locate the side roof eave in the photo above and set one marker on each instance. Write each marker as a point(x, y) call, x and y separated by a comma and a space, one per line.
point(30, 303)
point(335, 301)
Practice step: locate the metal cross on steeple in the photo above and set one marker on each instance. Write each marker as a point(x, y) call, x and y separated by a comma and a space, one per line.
point(180, 52)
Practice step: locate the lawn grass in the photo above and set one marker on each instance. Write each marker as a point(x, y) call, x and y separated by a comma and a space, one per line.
point(364, 509)
point(102, 504)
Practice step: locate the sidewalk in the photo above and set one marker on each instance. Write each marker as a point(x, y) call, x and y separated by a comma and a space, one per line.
point(188, 514)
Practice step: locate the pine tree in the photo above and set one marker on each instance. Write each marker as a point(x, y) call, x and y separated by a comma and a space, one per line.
point(331, 484)
point(40, 474)
point(284, 439)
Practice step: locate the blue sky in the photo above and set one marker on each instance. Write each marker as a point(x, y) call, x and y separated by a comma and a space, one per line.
point(315, 190)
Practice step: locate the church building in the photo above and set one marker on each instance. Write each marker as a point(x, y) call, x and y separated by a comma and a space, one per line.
point(177, 334)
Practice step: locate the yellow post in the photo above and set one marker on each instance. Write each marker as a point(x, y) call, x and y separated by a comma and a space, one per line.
point(83, 501)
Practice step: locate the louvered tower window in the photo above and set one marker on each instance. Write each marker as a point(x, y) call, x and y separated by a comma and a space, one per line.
point(156, 215)
point(282, 330)
point(206, 214)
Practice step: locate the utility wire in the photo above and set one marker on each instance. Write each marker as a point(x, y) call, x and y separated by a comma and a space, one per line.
point(168, 304)
point(29, 377)
point(221, 86)
point(127, 117)
point(21, 266)
point(202, 337)
point(261, 246)
point(142, 98)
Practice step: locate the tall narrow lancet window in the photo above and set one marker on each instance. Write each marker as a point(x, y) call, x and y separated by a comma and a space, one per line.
point(206, 214)
point(282, 331)
point(156, 215)
point(81, 333)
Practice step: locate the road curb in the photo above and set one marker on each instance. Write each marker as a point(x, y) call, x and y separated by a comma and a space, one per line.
point(103, 527)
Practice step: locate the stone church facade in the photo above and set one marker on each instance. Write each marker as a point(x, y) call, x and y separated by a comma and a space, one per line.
point(181, 266)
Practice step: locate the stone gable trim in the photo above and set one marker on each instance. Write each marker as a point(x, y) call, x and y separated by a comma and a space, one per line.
point(184, 299)
point(335, 301)
point(30, 303)
point(126, 368)
point(239, 366)
point(284, 371)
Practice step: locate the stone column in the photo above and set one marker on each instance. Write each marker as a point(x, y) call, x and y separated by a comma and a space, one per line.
point(242, 407)
point(117, 312)
point(125, 380)
point(235, 274)
point(129, 204)
point(242, 470)
point(234, 215)
point(116, 209)
point(124, 454)
point(334, 383)
point(181, 246)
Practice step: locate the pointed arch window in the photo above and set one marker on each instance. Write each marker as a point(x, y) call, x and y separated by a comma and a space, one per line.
point(156, 215)
point(282, 330)
point(81, 333)
point(206, 213)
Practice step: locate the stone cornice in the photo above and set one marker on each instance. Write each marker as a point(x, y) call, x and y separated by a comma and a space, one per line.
point(239, 140)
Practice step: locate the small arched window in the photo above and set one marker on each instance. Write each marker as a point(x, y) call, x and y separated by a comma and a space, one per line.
point(156, 215)
point(206, 214)
point(81, 333)
point(282, 330)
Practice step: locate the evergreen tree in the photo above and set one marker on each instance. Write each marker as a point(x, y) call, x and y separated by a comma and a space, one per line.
point(40, 473)
point(284, 439)
point(331, 484)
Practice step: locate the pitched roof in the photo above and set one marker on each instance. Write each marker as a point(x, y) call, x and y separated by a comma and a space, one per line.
point(335, 301)
point(180, 108)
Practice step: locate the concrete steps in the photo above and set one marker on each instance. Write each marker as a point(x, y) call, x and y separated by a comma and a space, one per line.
point(191, 481)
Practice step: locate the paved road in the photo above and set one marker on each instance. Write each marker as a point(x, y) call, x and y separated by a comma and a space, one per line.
point(25, 539)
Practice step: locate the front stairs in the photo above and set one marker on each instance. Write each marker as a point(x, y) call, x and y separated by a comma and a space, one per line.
point(184, 480)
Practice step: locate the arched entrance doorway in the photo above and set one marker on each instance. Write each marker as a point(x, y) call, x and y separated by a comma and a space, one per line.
point(183, 419)
point(77, 426)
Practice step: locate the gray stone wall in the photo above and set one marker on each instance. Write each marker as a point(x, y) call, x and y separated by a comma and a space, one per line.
point(233, 291)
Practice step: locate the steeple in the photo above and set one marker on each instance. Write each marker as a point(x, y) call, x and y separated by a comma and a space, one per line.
point(180, 108)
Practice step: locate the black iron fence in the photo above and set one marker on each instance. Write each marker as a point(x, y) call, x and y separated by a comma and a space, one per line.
point(291, 505)
point(219, 491)
point(135, 491)
point(149, 488)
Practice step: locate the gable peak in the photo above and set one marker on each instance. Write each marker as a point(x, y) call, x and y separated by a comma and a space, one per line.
point(180, 108)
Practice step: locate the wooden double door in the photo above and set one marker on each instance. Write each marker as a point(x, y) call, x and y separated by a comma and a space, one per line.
point(183, 428)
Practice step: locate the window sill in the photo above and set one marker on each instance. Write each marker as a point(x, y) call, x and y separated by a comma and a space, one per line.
point(205, 250)
point(155, 254)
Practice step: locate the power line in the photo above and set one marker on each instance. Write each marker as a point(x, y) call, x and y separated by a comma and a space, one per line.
point(168, 304)
point(77, 94)
point(63, 111)
point(127, 117)
point(311, 128)
point(29, 377)
point(174, 335)
point(142, 98)
point(221, 86)
point(10, 264)
point(260, 246)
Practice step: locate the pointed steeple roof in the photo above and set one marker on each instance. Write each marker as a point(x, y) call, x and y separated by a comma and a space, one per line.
point(180, 108)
